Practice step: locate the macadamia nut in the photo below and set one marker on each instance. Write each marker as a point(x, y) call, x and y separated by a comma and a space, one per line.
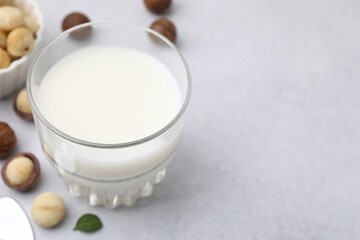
point(165, 27)
point(22, 102)
point(74, 19)
point(157, 6)
point(19, 170)
point(7, 138)
point(6, 3)
point(5, 59)
point(20, 42)
point(11, 18)
point(2, 39)
point(31, 24)
point(48, 209)
point(22, 106)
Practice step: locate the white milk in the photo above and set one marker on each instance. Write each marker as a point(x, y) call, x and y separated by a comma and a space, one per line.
point(109, 95)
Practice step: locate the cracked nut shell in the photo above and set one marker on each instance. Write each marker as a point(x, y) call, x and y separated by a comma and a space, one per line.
point(21, 171)
point(10, 18)
point(20, 42)
point(7, 140)
point(5, 59)
point(22, 106)
point(157, 6)
point(165, 27)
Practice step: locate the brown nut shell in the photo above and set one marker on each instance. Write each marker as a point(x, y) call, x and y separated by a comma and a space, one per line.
point(21, 106)
point(157, 6)
point(74, 19)
point(7, 140)
point(33, 178)
point(165, 27)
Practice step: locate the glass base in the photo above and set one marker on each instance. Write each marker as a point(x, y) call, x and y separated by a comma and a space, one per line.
point(124, 193)
point(113, 193)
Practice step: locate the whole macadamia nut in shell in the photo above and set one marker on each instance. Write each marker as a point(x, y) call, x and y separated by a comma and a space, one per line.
point(157, 6)
point(74, 19)
point(48, 209)
point(165, 27)
point(7, 139)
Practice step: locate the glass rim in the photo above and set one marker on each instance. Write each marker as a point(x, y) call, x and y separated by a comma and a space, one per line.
point(66, 136)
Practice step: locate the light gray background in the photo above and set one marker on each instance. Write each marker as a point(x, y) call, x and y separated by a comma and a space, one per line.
point(271, 149)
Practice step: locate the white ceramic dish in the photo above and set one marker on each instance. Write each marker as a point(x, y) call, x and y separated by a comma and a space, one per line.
point(13, 77)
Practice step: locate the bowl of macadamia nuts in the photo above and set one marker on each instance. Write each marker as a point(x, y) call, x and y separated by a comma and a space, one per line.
point(20, 35)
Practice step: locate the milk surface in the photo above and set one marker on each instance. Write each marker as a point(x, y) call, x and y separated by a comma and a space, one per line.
point(109, 95)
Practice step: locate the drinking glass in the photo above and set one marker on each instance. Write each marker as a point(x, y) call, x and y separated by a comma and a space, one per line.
point(110, 174)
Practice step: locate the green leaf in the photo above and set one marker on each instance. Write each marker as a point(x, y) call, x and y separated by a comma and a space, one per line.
point(88, 223)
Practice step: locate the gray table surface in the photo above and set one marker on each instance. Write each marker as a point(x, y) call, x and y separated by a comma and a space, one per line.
point(271, 149)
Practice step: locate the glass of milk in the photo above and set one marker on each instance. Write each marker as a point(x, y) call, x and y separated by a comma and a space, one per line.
point(109, 100)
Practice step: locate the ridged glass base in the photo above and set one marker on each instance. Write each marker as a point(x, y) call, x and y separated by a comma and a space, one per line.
point(112, 192)
point(123, 193)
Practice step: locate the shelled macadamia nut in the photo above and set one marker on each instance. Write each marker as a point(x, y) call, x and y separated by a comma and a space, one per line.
point(20, 42)
point(48, 209)
point(22, 106)
point(31, 24)
point(5, 59)
point(11, 18)
point(2, 39)
point(6, 3)
point(7, 140)
point(21, 172)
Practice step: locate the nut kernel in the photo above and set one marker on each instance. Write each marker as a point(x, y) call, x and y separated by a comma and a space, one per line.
point(19, 170)
point(2, 39)
point(10, 18)
point(6, 3)
point(5, 59)
point(22, 106)
point(31, 24)
point(48, 209)
point(20, 42)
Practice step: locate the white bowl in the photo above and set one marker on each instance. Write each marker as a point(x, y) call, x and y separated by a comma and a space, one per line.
point(13, 77)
